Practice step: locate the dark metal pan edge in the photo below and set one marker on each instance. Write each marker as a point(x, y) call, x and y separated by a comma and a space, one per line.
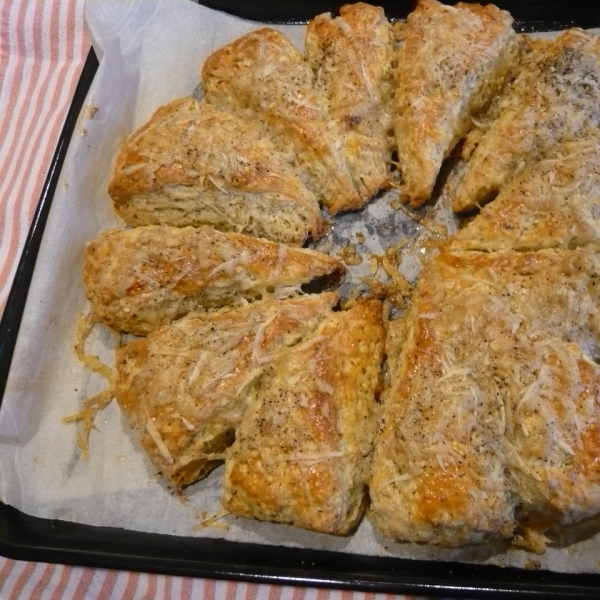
point(30, 538)
point(531, 15)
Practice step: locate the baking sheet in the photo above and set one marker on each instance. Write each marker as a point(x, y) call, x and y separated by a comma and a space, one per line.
point(150, 52)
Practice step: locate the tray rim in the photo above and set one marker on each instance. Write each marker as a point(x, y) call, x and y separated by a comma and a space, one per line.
point(25, 537)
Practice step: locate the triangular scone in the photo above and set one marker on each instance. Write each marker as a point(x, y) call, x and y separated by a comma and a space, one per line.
point(138, 280)
point(437, 474)
point(262, 77)
point(555, 97)
point(493, 399)
point(302, 451)
point(451, 61)
point(554, 202)
point(183, 388)
point(351, 56)
point(191, 164)
point(524, 51)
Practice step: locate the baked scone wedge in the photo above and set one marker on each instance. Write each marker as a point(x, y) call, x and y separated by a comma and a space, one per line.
point(554, 202)
point(451, 61)
point(547, 369)
point(140, 279)
point(183, 389)
point(524, 51)
point(192, 165)
point(351, 57)
point(302, 451)
point(437, 475)
point(493, 400)
point(556, 96)
point(262, 77)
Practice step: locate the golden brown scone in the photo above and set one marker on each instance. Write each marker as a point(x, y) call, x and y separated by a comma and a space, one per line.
point(351, 57)
point(555, 97)
point(554, 202)
point(192, 165)
point(302, 452)
point(262, 77)
point(450, 63)
point(493, 402)
point(140, 279)
point(523, 52)
point(183, 388)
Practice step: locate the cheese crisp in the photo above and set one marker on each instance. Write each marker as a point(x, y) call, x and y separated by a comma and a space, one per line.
point(192, 165)
point(140, 279)
point(493, 401)
point(351, 56)
point(184, 388)
point(451, 61)
point(554, 202)
point(554, 97)
point(262, 77)
point(302, 452)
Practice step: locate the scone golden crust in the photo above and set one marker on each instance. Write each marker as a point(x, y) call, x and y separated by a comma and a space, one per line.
point(524, 51)
point(183, 389)
point(262, 77)
point(302, 452)
point(450, 63)
point(555, 97)
point(351, 57)
point(192, 165)
point(140, 279)
point(494, 400)
point(554, 202)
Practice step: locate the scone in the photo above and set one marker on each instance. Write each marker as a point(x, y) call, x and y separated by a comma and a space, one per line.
point(140, 279)
point(451, 61)
point(351, 57)
point(492, 408)
point(263, 78)
point(302, 451)
point(555, 97)
point(553, 202)
point(183, 389)
point(193, 165)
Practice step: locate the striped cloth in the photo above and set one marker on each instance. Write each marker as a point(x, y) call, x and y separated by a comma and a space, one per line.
point(43, 45)
point(20, 580)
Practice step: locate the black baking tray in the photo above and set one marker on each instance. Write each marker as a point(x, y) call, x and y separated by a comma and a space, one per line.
point(25, 537)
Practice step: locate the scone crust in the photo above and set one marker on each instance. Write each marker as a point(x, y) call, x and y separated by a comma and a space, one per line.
point(183, 388)
point(493, 400)
point(451, 61)
point(554, 98)
point(302, 453)
point(351, 57)
point(553, 202)
point(140, 279)
point(263, 77)
point(192, 164)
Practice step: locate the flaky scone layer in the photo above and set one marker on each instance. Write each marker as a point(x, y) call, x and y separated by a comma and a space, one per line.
point(451, 61)
point(554, 97)
point(140, 279)
point(184, 388)
point(493, 398)
point(192, 165)
point(302, 453)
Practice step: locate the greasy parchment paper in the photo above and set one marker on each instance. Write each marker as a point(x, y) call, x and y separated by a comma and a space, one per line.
point(150, 52)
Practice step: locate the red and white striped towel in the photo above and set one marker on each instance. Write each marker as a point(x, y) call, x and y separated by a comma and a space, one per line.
point(43, 46)
point(20, 580)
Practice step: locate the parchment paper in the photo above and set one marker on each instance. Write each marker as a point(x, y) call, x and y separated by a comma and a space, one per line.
point(150, 52)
